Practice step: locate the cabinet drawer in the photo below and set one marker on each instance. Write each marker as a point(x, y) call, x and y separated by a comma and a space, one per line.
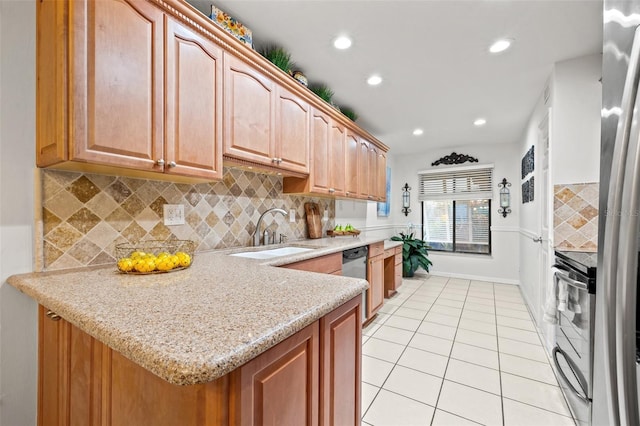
point(376, 249)
point(328, 264)
point(398, 250)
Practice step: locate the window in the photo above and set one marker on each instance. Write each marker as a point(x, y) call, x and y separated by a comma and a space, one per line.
point(456, 208)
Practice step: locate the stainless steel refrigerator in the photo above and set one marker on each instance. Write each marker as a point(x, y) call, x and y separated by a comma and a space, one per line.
point(615, 373)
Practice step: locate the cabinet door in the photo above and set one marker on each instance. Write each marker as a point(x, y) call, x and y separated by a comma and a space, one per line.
point(363, 170)
point(382, 175)
point(341, 338)
point(375, 276)
point(337, 159)
point(193, 104)
point(249, 112)
point(53, 385)
point(373, 172)
point(320, 158)
point(116, 79)
point(280, 386)
point(292, 144)
point(351, 164)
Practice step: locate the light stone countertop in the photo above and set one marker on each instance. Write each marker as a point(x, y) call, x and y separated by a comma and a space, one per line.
point(198, 324)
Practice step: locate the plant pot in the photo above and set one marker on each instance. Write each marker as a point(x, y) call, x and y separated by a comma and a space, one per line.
point(408, 274)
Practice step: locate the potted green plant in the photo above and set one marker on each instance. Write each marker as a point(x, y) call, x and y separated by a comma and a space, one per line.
point(279, 57)
point(414, 254)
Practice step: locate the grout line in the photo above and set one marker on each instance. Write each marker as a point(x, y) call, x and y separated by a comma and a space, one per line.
point(542, 408)
point(499, 365)
point(444, 374)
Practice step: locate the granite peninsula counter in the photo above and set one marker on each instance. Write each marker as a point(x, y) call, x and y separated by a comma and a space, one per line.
point(195, 325)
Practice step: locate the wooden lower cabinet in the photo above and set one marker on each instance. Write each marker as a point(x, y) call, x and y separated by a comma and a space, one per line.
point(279, 387)
point(375, 276)
point(329, 264)
point(340, 365)
point(310, 378)
point(392, 271)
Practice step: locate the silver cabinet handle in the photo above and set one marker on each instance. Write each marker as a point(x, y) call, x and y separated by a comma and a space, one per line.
point(331, 190)
point(53, 316)
point(172, 164)
point(537, 240)
point(160, 162)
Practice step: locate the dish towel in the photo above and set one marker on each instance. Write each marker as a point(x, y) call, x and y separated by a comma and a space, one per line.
point(557, 300)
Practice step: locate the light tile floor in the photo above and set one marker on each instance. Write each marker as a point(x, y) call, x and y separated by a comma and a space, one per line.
point(447, 351)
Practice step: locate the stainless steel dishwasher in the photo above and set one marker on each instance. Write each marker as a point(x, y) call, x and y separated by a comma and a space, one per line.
point(354, 265)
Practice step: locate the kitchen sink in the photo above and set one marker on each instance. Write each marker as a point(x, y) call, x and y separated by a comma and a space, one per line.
point(268, 254)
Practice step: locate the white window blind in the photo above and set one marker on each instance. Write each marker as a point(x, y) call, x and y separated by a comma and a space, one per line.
point(456, 183)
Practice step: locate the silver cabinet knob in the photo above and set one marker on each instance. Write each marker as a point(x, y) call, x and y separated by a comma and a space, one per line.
point(274, 160)
point(331, 190)
point(172, 164)
point(160, 162)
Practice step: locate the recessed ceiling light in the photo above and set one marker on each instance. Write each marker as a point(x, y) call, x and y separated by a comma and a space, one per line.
point(418, 132)
point(374, 80)
point(480, 122)
point(500, 45)
point(342, 42)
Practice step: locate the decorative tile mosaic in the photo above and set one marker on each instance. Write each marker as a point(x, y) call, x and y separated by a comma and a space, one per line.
point(575, 217)
point(84, 215)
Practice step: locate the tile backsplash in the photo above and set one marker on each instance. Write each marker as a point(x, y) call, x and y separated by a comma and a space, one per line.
point(85, 215)
point(575, 217)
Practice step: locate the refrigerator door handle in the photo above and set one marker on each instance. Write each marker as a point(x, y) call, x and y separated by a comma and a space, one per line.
point(627, 275)
point(607, 273)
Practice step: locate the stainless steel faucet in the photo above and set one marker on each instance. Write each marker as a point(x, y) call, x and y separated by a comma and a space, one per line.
point(256, 233)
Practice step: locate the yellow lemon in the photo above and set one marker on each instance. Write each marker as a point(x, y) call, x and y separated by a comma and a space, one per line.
point(137, 254)
point(145, 265)
point(185, 259)
point(164, 264)
point(175, 260)
point(162, 254)
point(125, 264)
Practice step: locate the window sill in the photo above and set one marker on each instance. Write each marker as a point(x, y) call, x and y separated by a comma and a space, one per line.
point(470, 255)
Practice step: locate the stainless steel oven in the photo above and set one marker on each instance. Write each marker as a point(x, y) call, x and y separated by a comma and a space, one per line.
point(574, 275)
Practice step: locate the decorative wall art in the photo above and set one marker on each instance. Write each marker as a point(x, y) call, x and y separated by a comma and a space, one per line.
point(528, 162)
point(385, 208)
point(528, 190)
point(455, 159)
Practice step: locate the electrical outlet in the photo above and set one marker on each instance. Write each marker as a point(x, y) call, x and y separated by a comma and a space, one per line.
point(292, 215)
point(173, 214)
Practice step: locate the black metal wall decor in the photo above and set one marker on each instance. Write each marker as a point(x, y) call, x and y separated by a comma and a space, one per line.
point(528, 162)
point(406, 199)
point(505, 197)
point(455, 159)
point(528, 190)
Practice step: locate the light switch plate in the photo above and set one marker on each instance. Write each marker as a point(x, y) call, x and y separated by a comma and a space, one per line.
point(173, 214)
point(292, 215)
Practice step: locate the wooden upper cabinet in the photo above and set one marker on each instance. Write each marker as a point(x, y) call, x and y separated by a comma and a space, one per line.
point(292, 141)
point(363, 169)
point(352, 150)
point(321, 153)
point(250, 113)
point(116, 83)
point(373, 172)
point(382, 175)
point(337, 159)
point(193, 104)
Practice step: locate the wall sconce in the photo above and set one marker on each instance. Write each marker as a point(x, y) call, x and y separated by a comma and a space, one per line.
point(406, 199)
point(505, 197)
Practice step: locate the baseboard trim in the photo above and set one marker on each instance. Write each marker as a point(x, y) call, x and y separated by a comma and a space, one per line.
point(476, 277)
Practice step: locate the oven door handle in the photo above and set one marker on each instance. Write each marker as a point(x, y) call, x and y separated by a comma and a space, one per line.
point(565, 379)
point(565, 277)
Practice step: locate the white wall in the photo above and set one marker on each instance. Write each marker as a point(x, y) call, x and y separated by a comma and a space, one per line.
point(502, 264)
point(577, 101)
point(18, 326)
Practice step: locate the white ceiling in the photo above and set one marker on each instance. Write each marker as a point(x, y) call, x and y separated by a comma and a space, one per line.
point(433, 57)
